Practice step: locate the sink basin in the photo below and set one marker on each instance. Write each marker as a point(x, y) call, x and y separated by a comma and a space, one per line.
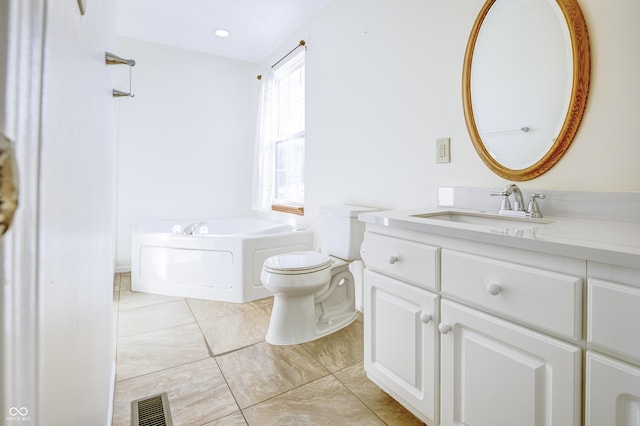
point(486, 219)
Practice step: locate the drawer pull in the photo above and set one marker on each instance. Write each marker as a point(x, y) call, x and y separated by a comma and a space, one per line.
point(444, 328)
point(393, 259)
point(425, 317)
point(494, 289)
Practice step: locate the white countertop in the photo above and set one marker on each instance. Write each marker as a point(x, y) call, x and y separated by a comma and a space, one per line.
point(611, 242)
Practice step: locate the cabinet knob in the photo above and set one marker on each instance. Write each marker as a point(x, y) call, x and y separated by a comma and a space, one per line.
point(425, 317)
point(393, 259)
point(444, 328)
point(494, 289)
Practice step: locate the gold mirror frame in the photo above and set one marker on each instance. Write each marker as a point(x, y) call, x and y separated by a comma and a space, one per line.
point(577, 103)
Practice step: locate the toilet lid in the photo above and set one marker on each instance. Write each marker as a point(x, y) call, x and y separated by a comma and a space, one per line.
point(297, 262)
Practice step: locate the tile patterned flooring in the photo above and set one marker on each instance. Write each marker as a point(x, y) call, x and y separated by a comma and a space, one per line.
point(212, 360)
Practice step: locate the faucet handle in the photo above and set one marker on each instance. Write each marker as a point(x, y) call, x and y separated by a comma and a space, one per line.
point(533, 209)
point(505, 204)
point(535, 195)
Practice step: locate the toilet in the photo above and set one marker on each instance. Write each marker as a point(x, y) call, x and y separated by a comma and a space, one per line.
point(314, 294)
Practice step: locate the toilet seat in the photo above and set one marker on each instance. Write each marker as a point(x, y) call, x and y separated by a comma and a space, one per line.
point(295, 263)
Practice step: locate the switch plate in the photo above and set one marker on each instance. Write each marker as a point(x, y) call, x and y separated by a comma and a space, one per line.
point(443, 150)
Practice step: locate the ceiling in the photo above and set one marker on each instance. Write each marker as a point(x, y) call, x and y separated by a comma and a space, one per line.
point(256, 26)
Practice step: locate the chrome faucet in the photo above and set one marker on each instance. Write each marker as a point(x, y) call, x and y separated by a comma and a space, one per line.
point(518, 202)
point(533, 210)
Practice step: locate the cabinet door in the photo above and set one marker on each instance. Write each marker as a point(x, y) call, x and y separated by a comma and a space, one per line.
point(401, 343)
point(613, 392)
point(495, 373)
point(613, 317)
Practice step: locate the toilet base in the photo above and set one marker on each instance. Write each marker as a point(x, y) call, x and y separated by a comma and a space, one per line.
point(302, 318)
point(293, 321)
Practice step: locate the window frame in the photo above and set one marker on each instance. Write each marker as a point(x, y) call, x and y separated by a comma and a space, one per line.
point(288, 68)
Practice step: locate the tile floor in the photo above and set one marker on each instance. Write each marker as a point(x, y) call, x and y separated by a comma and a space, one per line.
point(212, 360)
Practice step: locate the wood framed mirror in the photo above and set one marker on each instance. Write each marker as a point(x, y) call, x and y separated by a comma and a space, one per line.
point(525, 83)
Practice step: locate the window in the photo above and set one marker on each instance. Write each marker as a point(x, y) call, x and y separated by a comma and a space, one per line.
point(281, 141)
point(290, 138)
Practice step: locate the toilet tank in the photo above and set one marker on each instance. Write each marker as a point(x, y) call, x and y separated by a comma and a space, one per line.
point(342, 233)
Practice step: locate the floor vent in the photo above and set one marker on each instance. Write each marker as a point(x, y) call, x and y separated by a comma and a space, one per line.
point(151, 411)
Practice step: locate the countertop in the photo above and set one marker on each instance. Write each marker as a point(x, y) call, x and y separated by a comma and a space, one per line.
point(603, 241)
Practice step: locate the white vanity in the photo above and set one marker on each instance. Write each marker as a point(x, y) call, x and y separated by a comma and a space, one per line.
point(479, 320)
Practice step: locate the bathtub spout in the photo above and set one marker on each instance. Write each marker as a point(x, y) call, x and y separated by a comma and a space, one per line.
point(192, 228)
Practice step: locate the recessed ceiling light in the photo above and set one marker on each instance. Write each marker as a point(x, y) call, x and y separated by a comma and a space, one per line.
point(221, 33)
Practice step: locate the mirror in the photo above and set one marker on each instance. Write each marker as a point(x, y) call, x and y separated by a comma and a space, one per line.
point(525, 83)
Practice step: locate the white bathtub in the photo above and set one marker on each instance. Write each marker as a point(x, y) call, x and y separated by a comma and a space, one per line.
point(221, 260)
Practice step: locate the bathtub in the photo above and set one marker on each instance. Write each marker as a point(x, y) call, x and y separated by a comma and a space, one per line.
point(217, 259)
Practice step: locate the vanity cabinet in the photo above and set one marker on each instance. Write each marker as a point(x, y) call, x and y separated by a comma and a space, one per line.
point(402, 342)
point(500, 343)
point(613, 342)
point(494, 371)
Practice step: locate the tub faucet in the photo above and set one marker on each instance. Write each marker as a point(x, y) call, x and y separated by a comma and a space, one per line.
point(191, 228)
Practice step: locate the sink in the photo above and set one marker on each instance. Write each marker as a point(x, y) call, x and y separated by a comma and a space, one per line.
point(486, 219)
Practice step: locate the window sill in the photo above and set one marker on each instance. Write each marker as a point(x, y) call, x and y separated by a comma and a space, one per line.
point(287, 208)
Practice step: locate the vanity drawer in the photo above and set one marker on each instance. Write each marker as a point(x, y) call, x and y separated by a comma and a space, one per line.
point(407, 260)
point(613, 317)
point(542, 298)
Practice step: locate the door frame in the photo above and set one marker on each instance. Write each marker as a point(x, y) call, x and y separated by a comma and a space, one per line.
point(22, 38)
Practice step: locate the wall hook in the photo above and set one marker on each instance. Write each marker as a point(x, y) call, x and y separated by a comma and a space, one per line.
point(112, 59)
point(119, 94)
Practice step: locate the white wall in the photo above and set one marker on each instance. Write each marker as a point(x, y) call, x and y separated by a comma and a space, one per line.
point(76, 244)
point(185, 141)
point(384, 81)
